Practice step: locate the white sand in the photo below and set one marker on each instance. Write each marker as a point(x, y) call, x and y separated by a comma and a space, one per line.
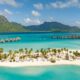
point(41, 63)
point(24, 64)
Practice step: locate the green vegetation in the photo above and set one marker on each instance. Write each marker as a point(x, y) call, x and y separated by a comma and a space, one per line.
point(52, 60)
point(53, 27)
point(6, 26)
point(1, 50)
point(76, 53)
point(44, 54)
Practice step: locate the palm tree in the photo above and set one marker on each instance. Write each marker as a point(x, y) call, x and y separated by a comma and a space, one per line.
point(65, 49)
point(10, 52)
point(52, 60)
point(16, 51)
point(37, 55)
point(67, 56)
point(12, 59)
point(59, 51)
point(54, 51)
point(41, 50)
point(30, 52)
point(4, 56)
point(26, 50)
point(21, 51)
point(0, 56)
point(1, 50)
point(49, 49)
point(76, 53)
point(62, 49)
point(37, 51)
point(44, 53)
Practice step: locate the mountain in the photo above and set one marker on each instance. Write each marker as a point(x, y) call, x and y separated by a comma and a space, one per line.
point(53, 27)
point(6, 26)
point(3, 20)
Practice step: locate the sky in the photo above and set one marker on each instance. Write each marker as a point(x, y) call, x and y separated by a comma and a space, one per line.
point(35, 12)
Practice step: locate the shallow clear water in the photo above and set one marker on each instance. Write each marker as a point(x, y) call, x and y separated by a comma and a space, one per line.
point(39, 40)
point(41, 73)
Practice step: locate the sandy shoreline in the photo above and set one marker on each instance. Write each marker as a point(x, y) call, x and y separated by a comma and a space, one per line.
point(25, 64)
point(41, 63)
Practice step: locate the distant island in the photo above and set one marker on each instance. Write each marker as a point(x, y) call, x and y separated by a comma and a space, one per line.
point(6, 26)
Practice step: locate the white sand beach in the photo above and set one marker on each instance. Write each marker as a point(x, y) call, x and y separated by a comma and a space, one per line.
point(23, 59)
point(25, 64)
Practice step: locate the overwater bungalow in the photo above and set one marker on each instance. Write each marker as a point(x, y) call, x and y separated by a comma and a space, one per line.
point(18, 38)
point(66, 37)
point(7, 40)
point(10, 40)
point(2, 41)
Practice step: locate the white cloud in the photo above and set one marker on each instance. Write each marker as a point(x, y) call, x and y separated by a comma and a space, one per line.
point(9, 2)
point(5, 12)
point(8, 11)
point(59, 5)
point(51, 19)
point(30, 21)
point(35, 13)
point(38, 6)
point(66, 4)
point(77, 23)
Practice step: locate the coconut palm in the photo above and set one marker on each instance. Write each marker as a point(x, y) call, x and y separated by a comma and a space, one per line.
point(21, 50)
point(49, 49)
point(44, 53)
point(30, 52)
point(37, 55)
point(59, 51)
point(5, 56)
point(12, 59)
point(26, 50)
point(67, 56)
point(0, 56)
point(77, 54)
point(10, 52)
point(37, 51)
point(65, 49)
point(52, 60)
point(54, 51)
point(1, 50)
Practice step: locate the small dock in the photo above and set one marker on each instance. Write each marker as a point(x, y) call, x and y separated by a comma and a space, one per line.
point(10, 40)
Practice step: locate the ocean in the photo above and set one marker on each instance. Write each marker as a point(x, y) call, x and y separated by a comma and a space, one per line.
point(64, 72)
point(38, 40)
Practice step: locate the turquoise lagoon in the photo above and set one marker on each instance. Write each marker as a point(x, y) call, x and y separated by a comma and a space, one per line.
point(39, 40)
point(41, 73)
